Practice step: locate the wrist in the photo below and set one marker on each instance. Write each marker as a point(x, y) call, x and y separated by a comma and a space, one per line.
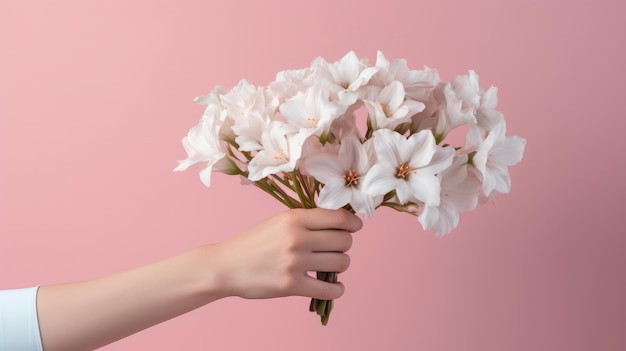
point(208, 275)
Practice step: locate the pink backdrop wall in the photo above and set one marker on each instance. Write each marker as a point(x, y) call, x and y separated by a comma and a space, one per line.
point(95, 97)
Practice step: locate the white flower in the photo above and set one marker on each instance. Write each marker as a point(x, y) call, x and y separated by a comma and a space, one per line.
point(342, 175)
point(347, 76)
point(288, 83)
point(247, 106)
point(458, 193)
point(281, 151)
point(452, 111)
point(345, 125)
point(486, 115)
point(493, 155)
point(387, 107)
point(249, 130)
point(203, 146)
point(312, 111)
point(418, 85)
point(467, 89)
point(212, 100)
point(243, 99)
point(409, 166)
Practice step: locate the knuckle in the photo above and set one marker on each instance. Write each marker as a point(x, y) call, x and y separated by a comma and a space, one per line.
point(290, 262)
point(291, 217)
point(293, 243)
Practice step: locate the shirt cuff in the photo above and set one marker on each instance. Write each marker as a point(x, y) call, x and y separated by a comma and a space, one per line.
point(19, 326)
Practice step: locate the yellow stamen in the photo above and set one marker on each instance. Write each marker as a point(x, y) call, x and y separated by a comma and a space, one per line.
point(352, 178)
point(403, 170)
point(281, 156)
point(385, 108)
point(312, 121)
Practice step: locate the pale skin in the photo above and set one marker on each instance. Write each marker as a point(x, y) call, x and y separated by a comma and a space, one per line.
point(269, 260)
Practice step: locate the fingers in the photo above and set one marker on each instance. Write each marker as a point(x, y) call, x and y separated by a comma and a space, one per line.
point(313, 287)
point(326, 262)
point(327, 240)
point(319, 218)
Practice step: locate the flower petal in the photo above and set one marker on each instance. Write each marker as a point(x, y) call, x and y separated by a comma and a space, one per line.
point(425, 188)
point(388, 145)
point(380, 180)
point(419, 149)
point(510, 151)
point(362, 203)
point(325, 168)
point(441, 160)
point(334, 196)
point(348, 68)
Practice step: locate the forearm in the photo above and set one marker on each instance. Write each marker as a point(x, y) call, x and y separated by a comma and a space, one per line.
point(86, 315)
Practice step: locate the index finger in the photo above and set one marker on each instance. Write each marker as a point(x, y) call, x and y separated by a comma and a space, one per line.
point(321, 219)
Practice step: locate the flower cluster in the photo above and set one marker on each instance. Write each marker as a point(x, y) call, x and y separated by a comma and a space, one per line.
point(300, 140)
point(348, 135)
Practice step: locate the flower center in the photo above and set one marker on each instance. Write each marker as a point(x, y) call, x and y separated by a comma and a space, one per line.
point(386, 109)
point(352, 178)
point(280, 156)
point(345, 85)
point(312, 121)
point(403, 170)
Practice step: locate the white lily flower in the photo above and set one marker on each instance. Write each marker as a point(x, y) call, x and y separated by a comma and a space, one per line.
point(342, 175)
point(247, 107)
point(288, 83)
point(281, 151)
point(418, 85)
point(312, 111)
point(249, 131)
point(458, 193)
point(493, 155)
point(387, 107)
point(467, 89)
point(408, 166)
point(486, 115)
point(345, 125)
point(213, 99)
point(347, 75)
point(452, 112)
point(203, 146)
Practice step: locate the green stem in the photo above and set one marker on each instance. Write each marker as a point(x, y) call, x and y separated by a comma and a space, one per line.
point(282, 181)
point(271, 188)
point(305, 185)
point(370, 131)
point(292, 203)
point(399, 208)
point(265, 188)
point(296, 183)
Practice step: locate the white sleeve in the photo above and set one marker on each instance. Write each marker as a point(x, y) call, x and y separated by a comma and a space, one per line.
point(19, 327)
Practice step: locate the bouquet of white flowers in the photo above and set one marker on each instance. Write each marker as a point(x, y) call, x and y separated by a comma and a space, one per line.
point(299, 139)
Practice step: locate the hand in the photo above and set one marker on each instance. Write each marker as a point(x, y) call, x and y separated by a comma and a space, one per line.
point(272, 259)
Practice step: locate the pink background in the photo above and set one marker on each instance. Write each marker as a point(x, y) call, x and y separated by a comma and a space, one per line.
point(95, 97)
